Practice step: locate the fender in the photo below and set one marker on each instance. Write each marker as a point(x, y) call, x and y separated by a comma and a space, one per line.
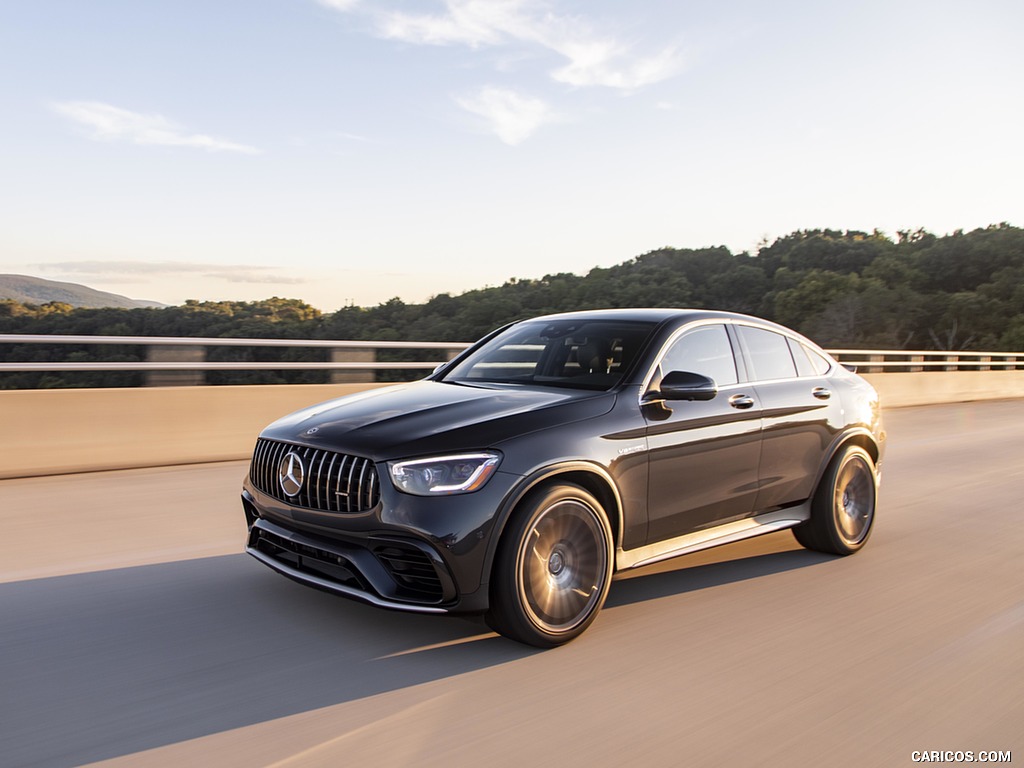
point(533, 480)
point(840, 440)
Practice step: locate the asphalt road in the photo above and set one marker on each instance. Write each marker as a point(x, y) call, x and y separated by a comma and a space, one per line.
point(133, 632)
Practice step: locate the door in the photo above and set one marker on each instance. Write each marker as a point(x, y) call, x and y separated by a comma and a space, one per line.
point(800, 413)
point(703, 455)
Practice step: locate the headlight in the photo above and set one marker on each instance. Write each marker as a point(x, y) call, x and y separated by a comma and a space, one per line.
point(444, 475)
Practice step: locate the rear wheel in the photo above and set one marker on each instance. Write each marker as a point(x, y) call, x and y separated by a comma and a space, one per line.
point(553, 567)
point(843, 508)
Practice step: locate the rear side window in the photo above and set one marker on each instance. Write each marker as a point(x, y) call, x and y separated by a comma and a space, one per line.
point(821, 363)
point(769, 353)
point(808, 362)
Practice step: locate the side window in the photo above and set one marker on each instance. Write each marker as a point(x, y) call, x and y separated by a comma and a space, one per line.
point(769, 353)
point(821, 364)
point(705, 350)
point(808, 362)
point(803, 363)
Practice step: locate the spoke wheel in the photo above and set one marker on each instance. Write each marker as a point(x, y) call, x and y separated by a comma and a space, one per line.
point(843, 509)
point(853, 501)
point(553, 568)
point(562, 564)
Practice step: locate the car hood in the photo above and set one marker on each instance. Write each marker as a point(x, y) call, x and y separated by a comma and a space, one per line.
point(427, 416)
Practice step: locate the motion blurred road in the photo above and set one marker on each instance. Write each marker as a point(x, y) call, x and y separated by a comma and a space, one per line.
point(133, 632)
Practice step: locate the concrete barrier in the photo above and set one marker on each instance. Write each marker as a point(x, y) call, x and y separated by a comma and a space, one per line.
point(900, 390)
point(59, 431)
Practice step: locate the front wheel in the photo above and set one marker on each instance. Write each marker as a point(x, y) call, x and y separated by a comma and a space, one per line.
point(843, 507)
point(552, 569)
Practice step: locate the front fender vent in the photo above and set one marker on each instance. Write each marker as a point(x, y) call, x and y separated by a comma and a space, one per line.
point(330, 482)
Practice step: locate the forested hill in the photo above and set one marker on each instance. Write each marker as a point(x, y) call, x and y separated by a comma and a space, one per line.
point(37, 290)
point(843, 289)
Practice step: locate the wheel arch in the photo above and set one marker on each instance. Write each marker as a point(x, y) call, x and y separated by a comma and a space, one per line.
point(859, 437)
point(591, 477)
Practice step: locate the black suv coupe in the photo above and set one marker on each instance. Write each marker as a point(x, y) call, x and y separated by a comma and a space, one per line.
point(516, 479)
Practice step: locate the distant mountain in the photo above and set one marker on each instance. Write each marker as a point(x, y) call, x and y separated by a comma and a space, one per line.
point(36, 290)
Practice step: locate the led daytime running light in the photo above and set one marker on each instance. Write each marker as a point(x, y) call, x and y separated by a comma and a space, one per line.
point(444, 475)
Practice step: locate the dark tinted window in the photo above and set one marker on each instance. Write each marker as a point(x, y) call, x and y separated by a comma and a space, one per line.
point(769, 353)
point(705, 350)
point(588, 354)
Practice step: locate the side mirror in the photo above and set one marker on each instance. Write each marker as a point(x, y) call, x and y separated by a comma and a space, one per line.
point(683, 385)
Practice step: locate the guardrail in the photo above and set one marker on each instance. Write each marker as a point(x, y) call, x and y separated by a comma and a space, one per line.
point(170, 360)
point(52, 430)
point(914, 361)
point(188, 354)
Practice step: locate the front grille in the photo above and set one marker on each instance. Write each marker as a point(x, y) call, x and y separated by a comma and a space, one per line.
point(331, 482)
point(308, 558)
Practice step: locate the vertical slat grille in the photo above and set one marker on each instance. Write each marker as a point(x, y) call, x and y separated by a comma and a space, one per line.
point(331, 482)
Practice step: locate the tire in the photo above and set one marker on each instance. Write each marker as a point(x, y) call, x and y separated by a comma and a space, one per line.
point(552, 569)
point(843, 507)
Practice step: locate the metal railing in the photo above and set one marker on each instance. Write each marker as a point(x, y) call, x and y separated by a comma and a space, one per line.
point(920, 360)
point(340, 348)
point(357, 360)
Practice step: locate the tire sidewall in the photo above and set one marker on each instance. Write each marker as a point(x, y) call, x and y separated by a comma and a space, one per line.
point(825, 512)
point(509, 602)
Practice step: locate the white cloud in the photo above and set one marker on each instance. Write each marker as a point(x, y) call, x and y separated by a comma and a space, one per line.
point(512, 116)
point(254, 275)
point(110, 123)
point(119, 270)
point(339, 5)
point(468, 22)
point(610, 65)
point(353, 137)
point(526, 30)
point(594, 59)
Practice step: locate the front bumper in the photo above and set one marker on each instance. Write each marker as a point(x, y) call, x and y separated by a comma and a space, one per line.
point(385, 573)
point(407, 552)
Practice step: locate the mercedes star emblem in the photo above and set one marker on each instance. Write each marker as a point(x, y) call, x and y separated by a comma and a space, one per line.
point(291, 474)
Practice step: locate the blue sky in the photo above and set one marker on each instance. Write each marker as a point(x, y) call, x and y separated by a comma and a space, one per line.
point(348, 151)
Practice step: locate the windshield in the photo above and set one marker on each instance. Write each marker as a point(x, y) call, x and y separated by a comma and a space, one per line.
point(583, 354)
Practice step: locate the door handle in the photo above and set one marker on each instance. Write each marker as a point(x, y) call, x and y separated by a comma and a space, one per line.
point(821, 393)
point(741, 401)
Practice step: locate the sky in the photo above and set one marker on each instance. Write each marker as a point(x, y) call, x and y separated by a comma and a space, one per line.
point(350, 151)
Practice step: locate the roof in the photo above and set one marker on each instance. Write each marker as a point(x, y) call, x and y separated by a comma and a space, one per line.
point(650, 314)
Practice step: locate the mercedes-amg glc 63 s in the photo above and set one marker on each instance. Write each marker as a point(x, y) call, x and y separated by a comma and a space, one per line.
point(516, 479)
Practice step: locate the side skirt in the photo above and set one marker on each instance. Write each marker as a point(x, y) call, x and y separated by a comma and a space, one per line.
point(713, 537)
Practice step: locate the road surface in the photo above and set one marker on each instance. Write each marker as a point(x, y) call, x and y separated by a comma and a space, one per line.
point(134, 633)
